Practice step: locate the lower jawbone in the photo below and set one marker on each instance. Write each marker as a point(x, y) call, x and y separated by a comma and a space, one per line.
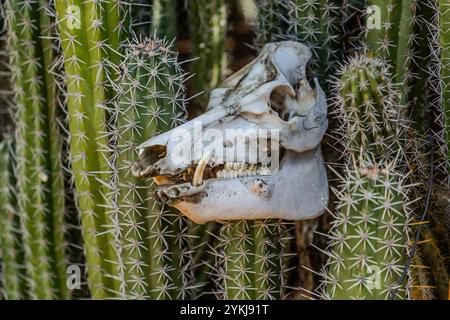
point(243, 191)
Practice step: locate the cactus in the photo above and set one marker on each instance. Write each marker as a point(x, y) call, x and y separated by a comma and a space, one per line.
point(269, 24)
point(39, 174)
point(14, 285)
point(164, 18)
point(368, 254)
point(252, 259)
point(314, 22)
point(368, 246)
point(91, 35)
point(445, 63)
point(154, 247)
point(209, 26)
point(393, 39)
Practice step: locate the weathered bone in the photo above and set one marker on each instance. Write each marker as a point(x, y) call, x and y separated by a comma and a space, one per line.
point(271, 93)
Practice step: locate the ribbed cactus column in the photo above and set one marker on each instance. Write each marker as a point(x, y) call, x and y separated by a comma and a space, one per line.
point(368, 248)
point(313, 22)
point(13, 268)
point(369, 235)
point(164, 18)
point(270, 24)
point(251, 260)
point(39, 171)
point(390, 34)
point(155, 250)
point(208, 20)
point(444, 6)
point(91, 33)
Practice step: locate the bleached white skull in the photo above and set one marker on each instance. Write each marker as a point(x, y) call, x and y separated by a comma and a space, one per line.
point(255, 153)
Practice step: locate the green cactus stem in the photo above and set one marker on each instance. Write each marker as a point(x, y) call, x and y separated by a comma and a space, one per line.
point(13, 280)
point(444, 20)
point(209, 26)
point(91, 35)
point(270, 24)
point(313, 22)
point(251, 260)
point(368, 246)
point(164, 18)
point(39, 173)
point(154, 244)
point(368, 237)
point(393, 39)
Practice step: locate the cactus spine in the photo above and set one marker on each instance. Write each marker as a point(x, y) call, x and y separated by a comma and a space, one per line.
point(39, 174)
point(91, 34)
point(208, 46)
point(14, 285)
point(368, 237)
point(155, 252)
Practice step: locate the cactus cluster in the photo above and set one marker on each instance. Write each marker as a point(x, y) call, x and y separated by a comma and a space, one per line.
point(89, 81)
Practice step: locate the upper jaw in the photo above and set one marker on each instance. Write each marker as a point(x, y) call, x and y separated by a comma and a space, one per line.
point(169, 191)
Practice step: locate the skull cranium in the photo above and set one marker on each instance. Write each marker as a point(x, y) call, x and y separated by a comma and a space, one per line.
point(270, 107)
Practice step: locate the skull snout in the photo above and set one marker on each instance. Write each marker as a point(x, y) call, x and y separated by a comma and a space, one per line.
point(146, 164)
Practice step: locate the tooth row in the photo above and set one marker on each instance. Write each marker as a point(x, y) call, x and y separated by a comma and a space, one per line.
point(243, 170)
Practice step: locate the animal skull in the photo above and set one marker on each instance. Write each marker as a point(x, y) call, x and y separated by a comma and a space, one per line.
point(255, 153)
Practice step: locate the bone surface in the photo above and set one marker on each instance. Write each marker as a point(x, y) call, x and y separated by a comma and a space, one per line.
point(255, 153)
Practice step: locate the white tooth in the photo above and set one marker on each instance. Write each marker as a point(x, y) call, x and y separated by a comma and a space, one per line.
point(197, 180)
point(236, 166)
point(243, 166)
point(228, 166)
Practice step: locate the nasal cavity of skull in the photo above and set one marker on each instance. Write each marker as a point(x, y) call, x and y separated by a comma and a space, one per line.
point(150, 156)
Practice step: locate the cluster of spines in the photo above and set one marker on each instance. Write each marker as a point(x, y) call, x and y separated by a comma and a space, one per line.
point(368, 246)
point(428, 157)
point(154, 247)
point(38, 158)
point(91, 35)
point(251, 260)
point(12, 263)
point(208, 21)
point(269, 23)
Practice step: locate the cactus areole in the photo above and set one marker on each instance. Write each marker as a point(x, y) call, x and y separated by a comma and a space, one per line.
point(255, 153)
